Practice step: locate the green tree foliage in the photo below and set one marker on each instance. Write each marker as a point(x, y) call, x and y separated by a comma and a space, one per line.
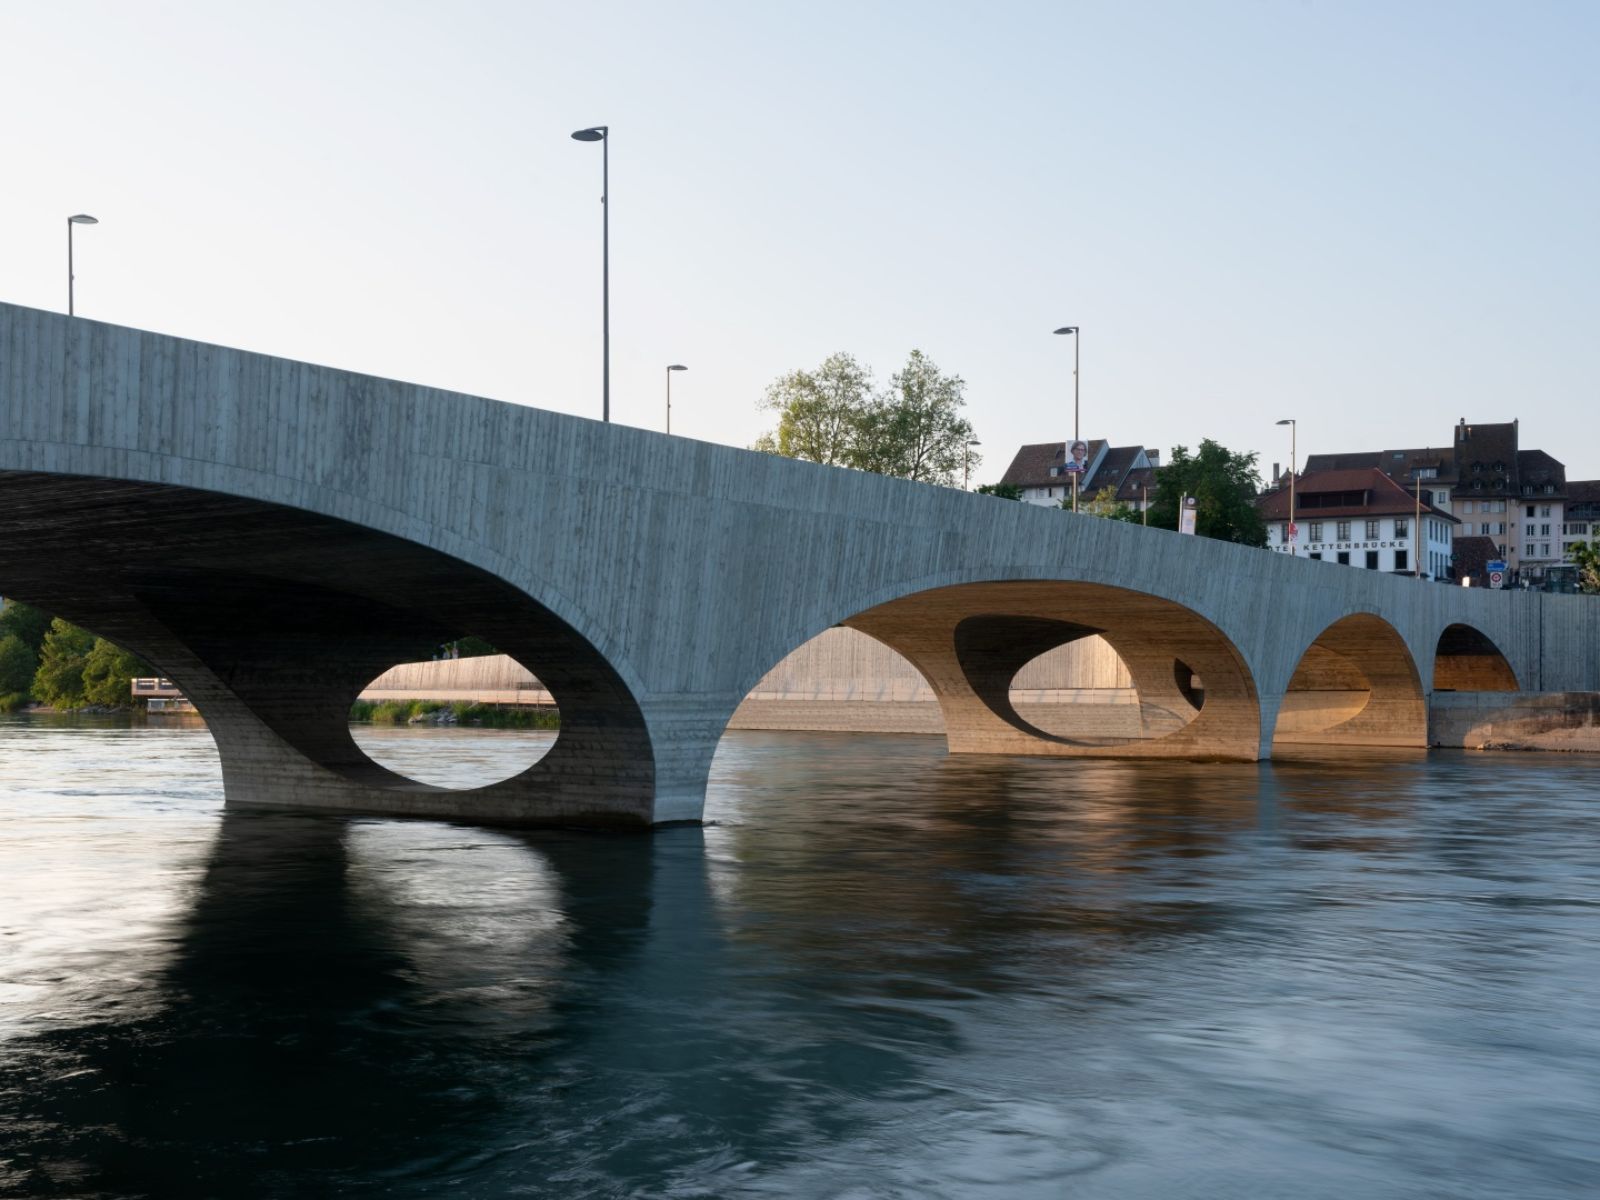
point(1225, 485)
point(1104, 503)
point(59, 680)
point(26, 623)
point(1005, 491)
point(820, 412)
point(1587, 557)
point(17, 665)
point(913, 429)
point(108, 672)
point(77, 669)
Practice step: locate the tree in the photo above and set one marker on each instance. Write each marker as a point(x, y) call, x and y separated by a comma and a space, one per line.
point(1006, 491)
point(1104, 503)
point(1224, 485)
point(820, 413)
point(17, 665)
point(26, 622)
point(916, 430)
point(59, 680)
point(1587, 557)
point(108, 674)
point(913, 429)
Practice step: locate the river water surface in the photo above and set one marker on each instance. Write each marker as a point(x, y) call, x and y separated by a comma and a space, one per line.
point(879, 972)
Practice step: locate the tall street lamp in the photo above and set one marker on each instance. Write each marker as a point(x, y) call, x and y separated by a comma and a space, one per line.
point(966, 463)
point(1418, 543)
point(670, 370)
point(79, 219)
point(602, 134)
point(1076, 340)
point(1294, 534)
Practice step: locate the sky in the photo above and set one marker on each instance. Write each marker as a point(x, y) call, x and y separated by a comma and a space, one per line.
point(1374, 218)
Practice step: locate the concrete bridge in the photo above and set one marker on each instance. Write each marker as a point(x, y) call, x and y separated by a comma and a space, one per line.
point(272, 535)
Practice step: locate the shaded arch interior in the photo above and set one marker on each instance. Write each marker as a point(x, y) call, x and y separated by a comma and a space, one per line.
point(1468, 661)
point(272, 619)
point(1355, 684)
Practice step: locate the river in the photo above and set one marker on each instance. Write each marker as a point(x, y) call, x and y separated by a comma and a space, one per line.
point(877, 971)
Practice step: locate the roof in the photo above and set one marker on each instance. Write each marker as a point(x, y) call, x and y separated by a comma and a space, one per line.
point(1489, 448)
point(1136, 484)
point(1583, 500)
point(1397, 464)
point(1382, 497)
point(1113, 468)
point(1537, 469)
point(1031, 466)
point(1342, 462)
point(1473, 554)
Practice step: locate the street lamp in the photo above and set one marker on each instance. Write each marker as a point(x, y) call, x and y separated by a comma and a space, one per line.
point(79, 219)
point(670, 370)
point(966, 463)
point(1076, 342)
point(602, 134)
point(1294, 534)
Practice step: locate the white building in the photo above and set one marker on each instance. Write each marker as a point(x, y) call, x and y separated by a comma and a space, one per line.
point(1361, 518)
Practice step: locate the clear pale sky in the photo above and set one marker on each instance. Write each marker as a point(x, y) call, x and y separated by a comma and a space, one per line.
point(1373, 217)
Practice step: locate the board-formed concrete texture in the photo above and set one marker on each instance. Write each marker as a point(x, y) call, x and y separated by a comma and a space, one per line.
point(272, 535)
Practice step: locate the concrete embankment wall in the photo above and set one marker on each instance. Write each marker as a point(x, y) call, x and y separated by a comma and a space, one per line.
point(1515, 720)
point(840, 680)
point(489, 679)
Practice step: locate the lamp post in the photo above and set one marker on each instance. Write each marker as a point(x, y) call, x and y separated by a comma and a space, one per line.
point(1418, 541)
point(1294, 534)
point(1076, 345)
point(670, 370)
point(79, 219)
point(602, 134)
point(966, 463)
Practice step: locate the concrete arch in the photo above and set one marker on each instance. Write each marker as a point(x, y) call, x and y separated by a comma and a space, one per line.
point(1357, 684)
point(271, 620)
point(1466, 660)
point(969, 640)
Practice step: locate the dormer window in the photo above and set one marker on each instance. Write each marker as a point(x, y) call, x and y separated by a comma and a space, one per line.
point(1477, 468)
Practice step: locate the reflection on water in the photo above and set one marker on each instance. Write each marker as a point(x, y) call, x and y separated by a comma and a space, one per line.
point(879, 972)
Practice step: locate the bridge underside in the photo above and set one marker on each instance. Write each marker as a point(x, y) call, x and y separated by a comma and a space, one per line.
point(272, 620)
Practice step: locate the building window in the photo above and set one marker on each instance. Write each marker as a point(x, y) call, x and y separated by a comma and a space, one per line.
point(1317, 556)
point(1400, 560)
point(1402, 527)
point(1344, 558)
point(1544, 510)
point(1343, 528)
point(1500, 527)
point(1372, 560)
point(1544, 531)
point(1549, 489)
point(1314, 532)
point(1544, 549)
point(1527, 531)
point(1530, 510)
point(1372, 531)
point(1483, 529)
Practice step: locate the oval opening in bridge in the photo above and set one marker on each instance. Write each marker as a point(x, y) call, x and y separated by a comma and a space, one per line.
point(1081, 689)
point(467, 718)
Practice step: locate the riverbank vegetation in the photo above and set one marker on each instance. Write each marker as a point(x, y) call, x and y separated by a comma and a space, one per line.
point(460, 712)
point(47, 660)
